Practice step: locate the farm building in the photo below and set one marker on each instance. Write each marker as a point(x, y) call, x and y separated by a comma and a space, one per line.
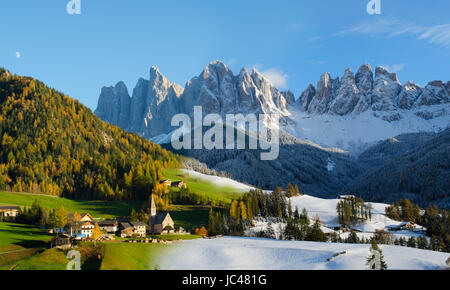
point(84, 217)
point(166, 182)
point(109, 226)
point(179, 184)
point(87, 229)
point(125, 230)
point(9, 211)
point(139, 229)
point(61, 241)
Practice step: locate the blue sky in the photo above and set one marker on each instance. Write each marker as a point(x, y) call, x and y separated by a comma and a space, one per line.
point(292, 42)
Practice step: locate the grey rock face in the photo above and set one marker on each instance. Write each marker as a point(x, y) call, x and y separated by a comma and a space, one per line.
point(306, 98)
point(324, 95)
point(359, 93)
point(289, 97)
point(114, 104)
point(364, 82)
point(347, 97)
point(155, 101)
point(409, 94)
point(434, 93)
point(386, 89)
point(364, 79)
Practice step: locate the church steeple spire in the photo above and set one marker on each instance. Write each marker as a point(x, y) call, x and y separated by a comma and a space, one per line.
point(152, 208)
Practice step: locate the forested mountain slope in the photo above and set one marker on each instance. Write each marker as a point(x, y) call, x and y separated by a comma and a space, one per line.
point(422, 175)
point(52, 144)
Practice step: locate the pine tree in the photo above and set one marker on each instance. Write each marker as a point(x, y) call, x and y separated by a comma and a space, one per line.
point(304, 219)
point(375, 261)
point(296, 213)
point(290, 209)
point(134, 216)
point(412, 242)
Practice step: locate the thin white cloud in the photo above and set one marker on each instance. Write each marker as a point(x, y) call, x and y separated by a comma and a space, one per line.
point(395, 68)
point(437, 34)
point(315, 62)
point(277, 77)
point(232, 62)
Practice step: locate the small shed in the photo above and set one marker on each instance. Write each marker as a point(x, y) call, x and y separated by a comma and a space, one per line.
point(179, 184)
point(166, 182)
point(61, 241)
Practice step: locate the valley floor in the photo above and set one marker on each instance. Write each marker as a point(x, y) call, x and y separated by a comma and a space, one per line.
point(233, 253)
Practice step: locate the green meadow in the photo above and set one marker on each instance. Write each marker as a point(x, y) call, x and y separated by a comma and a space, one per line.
point(132, 256)
point(20, 242)
point(202, 186)
point(98, 209)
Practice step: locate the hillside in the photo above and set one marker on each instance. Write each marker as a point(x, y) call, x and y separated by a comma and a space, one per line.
point(52, 144)
point(393, 147)
point(233, 253)
point(319, 171)
point(421, 175)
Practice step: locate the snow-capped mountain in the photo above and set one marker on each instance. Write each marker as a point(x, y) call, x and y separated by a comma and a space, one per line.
point(149, 111)
point(349, 112)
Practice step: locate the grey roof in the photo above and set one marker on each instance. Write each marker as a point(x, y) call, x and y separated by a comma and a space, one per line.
point(159, 218)
point(125, 225)
point(107, 223)
point(9, 207)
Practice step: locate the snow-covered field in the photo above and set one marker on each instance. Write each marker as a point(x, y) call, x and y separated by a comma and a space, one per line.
point(232, 253)
point(219, 181)
point(325, 209)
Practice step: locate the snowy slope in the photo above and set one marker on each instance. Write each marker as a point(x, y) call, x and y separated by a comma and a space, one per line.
point(220, 181)
point(251, 253)
point(355, 132)
point(325, 209)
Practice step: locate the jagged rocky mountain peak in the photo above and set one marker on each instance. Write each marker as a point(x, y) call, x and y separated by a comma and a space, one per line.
point(218, 90)
point(364, 79)
point(383, 73)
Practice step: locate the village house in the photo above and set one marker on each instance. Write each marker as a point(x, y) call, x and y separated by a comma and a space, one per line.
point(139, 229)
point(84, 217)
point(9, 211)
point(109, 226)
point(160, 223)
point(87, 228)
point(179, 184)
point(165, 182)
point(125, 230)
point(81, 228)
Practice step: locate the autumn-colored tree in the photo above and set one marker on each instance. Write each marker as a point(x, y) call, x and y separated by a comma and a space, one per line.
point(53, 144)
point(203, 232)
point(96, 233)
point(243, 209)
point(233, 209)
point(59, 218)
